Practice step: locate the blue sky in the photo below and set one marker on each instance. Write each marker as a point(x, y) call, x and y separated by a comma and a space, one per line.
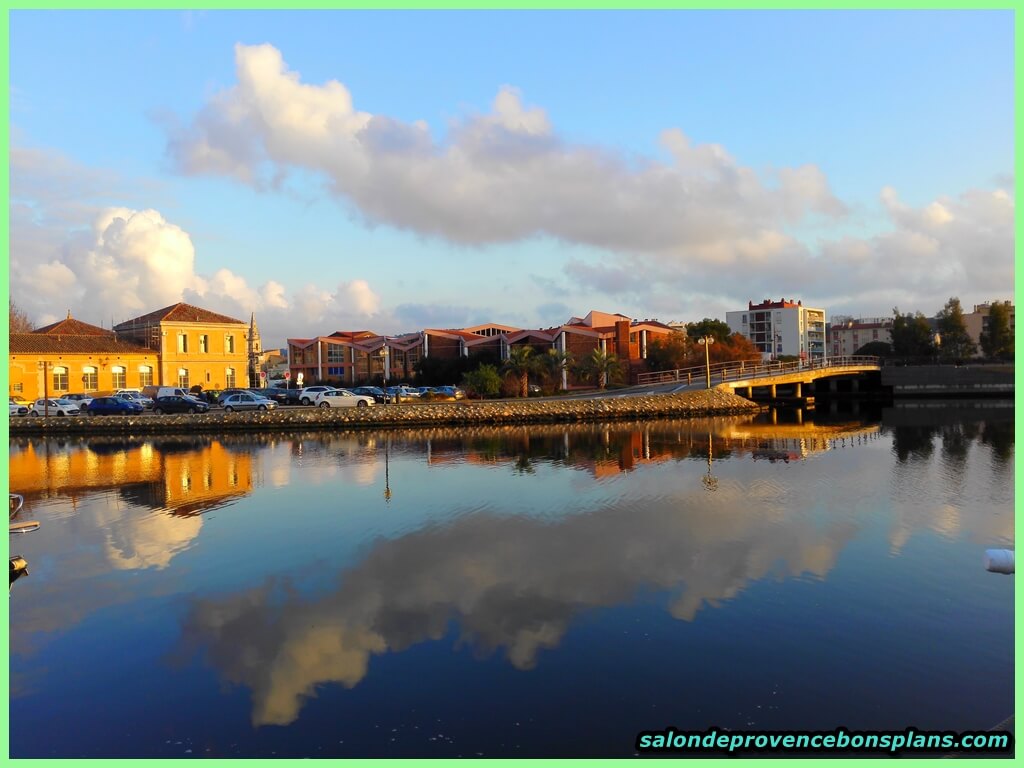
point(566, 198)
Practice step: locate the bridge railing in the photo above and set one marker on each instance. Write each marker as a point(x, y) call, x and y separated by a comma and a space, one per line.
point(748, 369)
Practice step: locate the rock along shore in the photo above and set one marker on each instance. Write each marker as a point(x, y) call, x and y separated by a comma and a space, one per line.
point(686, 404)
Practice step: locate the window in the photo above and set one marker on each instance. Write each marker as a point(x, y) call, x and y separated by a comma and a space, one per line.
point(60, 379)
point(18, 387)
point(183, 378)
point(339, 371)
point(744, 319)
point(229, 344)
point(229, 378)
point(145, 376)
point(119, 379)
point(89, 378)
point(204, 343)
point(182, 342)
point(874, 334)
point(632, 338)
point(335, 353)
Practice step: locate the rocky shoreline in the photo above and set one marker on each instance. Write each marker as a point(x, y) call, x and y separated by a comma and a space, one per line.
point(712, 402)
point(554, 411)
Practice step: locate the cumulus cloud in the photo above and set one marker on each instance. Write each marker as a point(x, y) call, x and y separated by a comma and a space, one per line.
point(128, 262)
point(500, 176)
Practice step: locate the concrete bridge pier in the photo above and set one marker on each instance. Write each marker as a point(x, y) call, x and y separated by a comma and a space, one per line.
point(772, 391)
point(799, 389)
point(750, 393)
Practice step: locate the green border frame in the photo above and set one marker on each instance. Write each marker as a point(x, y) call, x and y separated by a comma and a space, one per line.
point(1014, 5)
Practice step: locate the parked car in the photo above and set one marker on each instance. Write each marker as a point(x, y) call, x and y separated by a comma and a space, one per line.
point(307, 395)
point(136, 396)
point(341, 398)
point(224, 394)
point(18, 410)
point(58, 407)
point(82, 400)
point(19, 400)
point(279, 395)
point(247, 401)
point(113, 406)
point(378, 394)
point(456, 392)
point(179, 404)
point(403, 394)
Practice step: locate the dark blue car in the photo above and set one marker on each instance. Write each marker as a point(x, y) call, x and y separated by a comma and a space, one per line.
point(113, 406)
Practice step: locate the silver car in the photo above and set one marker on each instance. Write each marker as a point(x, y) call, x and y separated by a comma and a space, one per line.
point(247, 401)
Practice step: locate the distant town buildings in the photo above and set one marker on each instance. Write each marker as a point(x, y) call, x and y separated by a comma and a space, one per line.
point(351, 357)
point(781, 328)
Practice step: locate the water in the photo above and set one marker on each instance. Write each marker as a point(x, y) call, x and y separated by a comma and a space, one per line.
point(544, 591)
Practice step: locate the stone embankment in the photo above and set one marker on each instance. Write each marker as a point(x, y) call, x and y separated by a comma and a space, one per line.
point(554, 410)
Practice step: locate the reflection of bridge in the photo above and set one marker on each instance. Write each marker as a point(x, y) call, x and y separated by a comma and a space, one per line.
point(742, 376)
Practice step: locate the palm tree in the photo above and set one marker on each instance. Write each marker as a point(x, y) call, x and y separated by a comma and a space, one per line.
point(603, 367)
point(520, 363)
point(552, 364)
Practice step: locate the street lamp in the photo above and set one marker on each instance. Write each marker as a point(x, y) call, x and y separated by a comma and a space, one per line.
point(706, 342)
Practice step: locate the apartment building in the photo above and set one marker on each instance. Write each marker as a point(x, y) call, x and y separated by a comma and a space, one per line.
point(848, 334)
point(781, 328)
point(976, 323)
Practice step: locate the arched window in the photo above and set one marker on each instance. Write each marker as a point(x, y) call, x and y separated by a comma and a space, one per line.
point(145, 376)
point(60, 378)
point(183, 378)
point(120, 380)
point(90, 379)
point(229, 378)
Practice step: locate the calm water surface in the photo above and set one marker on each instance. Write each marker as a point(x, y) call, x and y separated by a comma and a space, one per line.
point(540, 591)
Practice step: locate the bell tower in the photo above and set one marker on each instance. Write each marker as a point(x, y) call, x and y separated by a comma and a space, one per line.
point(255, 350)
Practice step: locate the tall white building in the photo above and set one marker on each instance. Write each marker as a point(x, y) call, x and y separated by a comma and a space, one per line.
point(783, 327)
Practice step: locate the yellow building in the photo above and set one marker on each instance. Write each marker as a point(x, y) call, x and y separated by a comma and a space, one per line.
point(194, 346)
point(72, 356)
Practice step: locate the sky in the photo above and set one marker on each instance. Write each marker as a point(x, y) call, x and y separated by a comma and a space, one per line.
point(391, 171)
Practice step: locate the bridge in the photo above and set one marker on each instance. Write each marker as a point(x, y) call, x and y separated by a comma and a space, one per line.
point(741, 376)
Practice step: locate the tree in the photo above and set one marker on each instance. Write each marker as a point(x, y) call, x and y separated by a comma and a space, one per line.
point(955, 343)
point(601, 368)
point(669, 353)
point(997, 338)
point(912, 336)
point(484, 381)
point(20, 321)
point(733, 347)
point(708, 327)
point(520, 363)
point(551, 365)
point(875, 349)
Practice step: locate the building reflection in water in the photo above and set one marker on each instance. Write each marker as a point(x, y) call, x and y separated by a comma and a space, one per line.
point(180, 477)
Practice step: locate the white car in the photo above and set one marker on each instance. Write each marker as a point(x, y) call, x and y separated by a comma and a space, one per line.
point(341, 398)
point(308, 395)
point(247, 401)
point(57, 407)
point(18, 410)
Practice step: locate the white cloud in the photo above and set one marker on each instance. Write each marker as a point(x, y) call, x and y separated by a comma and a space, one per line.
point(502, 176)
